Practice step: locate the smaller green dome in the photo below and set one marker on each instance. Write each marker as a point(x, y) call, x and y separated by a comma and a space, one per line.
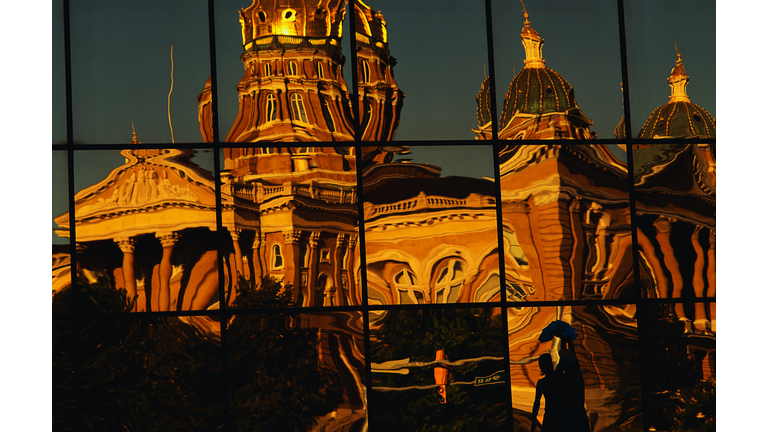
point(679, 120)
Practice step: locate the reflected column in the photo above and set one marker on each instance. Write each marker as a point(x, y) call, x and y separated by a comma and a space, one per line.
point(166, 270)
point(127, 246)
point(314, 238)
point(338, 256)
point(663, 231)
point(258, 244)
point(355, 292)
point(235, 234)
point(711, 277)
point(292, 257)
point(700, 315)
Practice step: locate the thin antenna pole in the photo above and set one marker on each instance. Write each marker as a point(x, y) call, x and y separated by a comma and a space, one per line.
point(169, 98)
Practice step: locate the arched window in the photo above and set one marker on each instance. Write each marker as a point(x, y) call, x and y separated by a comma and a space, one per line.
point(320, 286)
point(319, 66)
point(292, 68)
point(327, 115)
point(408, 287)
point(297, 106)
point(267, 69)
point(277, 257)
point(366, 71)
point(449, 278)
point(271, 107)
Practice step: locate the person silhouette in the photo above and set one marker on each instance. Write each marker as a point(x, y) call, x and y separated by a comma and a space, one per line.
point(550, 388)
point(572, 388)
point(562, 387)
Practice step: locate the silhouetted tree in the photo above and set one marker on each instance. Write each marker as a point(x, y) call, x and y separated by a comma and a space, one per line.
point(676, 398)
point(277, 382)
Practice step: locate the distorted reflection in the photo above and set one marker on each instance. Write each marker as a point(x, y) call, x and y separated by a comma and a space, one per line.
point(675, 194)
point(429, 239)
point(566, 222)
point(149, 227)
point(675, 187)
point(297, 372)
point(678, 369)
point(606, 348)
point(380, 98)
point(291, 213)
point(539, 104)
point(293, 88)
point(438, 369)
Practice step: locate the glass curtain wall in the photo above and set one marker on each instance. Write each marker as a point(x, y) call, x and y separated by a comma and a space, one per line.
point(384, 215)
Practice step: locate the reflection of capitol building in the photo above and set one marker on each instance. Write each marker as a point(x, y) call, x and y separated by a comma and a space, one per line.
point(294, 212)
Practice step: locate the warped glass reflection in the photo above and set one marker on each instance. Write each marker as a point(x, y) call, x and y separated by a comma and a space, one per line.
point(291, 213)
point(431, 238)
point(607, 354)
point(438, 369)
point(566, 222)
point(145, 222)
point(675, 194)
point(292, 371)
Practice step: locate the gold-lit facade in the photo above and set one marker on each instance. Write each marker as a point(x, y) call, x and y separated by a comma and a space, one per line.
point(342, 283)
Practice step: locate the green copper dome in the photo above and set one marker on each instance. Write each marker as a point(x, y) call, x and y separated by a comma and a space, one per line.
point(537, 91)
point(679, 120)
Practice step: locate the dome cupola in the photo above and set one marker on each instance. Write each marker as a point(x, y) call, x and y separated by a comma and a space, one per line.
point(291, 18)
point(679, 118)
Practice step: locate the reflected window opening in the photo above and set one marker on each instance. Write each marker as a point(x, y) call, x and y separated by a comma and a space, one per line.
point(297, 105)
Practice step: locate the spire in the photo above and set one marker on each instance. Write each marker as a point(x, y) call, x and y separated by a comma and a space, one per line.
point(532, 43)
point(678, 80)
point(135, 138)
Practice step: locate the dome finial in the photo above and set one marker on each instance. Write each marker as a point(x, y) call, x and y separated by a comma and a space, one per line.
point(532, 43)
point(678, 80)
point(135, 139)
point(525, 15)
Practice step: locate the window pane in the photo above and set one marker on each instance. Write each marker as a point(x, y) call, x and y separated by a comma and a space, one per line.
point(581, 63)
point(293, 371)
point(289, 200)
point(657, 31)
point(121, 69)
point(440, 49)
point(58, 94)
point(256, 57)
point(60, 206)
point(679, 365)
point(145, 222)
point(566, 221)
point(151, 373)
point(606, 381)
point(425, 219)
point(439, 369)
point(675, 194)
